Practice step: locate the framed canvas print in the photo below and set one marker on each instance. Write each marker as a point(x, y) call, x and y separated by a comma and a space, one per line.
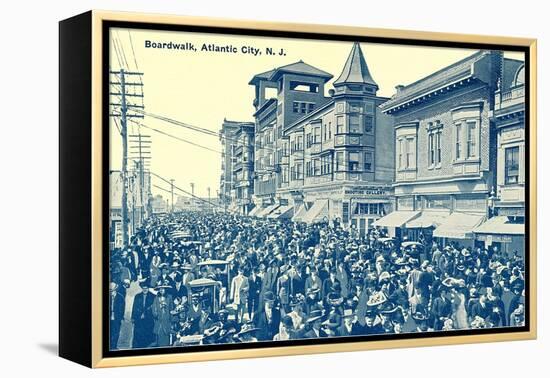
point(235, 189)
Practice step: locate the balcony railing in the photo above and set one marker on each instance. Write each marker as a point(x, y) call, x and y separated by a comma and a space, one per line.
point(511, 97)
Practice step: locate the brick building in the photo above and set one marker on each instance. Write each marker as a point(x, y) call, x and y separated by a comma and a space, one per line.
point(323, 157)
point(445, 155)
point(282, 96)
point(237, 165)
point(506, 228)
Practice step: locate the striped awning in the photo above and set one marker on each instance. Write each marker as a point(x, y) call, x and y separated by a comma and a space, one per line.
point(396, 219)
point(317, 213)
point(266, 211)
point(459, 226)
point(427, 219)
point(299, 214)
point(500, 225)
point(282, 212)
point(254, 211)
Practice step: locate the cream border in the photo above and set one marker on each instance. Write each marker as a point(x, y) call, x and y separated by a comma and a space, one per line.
point(99, 361)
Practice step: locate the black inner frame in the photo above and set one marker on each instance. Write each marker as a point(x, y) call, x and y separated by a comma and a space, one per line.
point(106, 25)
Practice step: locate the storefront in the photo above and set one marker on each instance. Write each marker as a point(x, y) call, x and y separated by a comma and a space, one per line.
point(505, 233)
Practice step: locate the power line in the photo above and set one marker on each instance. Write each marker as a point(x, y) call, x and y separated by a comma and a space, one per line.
point(184, 191)
point(197, 128)
point(176, 137)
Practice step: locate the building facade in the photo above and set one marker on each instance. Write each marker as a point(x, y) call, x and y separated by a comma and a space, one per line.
point(323, 157)
point(237, 166)
point(445, 155)
point(138, 186)
point(505, 229)
point(243, 169)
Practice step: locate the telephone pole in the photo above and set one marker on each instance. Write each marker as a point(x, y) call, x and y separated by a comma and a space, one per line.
point(121, 109)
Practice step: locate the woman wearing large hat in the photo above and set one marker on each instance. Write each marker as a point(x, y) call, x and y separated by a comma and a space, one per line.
point(247, 334)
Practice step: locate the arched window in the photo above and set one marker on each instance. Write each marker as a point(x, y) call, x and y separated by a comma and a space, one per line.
point(520, 76)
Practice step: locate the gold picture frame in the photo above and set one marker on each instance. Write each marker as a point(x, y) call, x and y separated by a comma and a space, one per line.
point(87, 32)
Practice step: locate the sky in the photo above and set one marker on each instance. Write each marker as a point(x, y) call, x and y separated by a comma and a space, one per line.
point(201, 88)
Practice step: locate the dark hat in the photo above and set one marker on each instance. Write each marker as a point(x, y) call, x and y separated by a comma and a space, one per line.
point(419, 316)
point(269, 296)
point(371, 313)
point(247, 328)
point(387, 308)
point(287, 321)
point(335, 299)
point(333, 321)
point(314, 316)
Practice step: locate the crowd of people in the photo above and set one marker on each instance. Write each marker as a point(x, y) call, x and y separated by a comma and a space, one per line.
point(281, 280)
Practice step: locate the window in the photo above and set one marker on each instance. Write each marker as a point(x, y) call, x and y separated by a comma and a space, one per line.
point(303, 107)
point(512, 165)
point(339, 161)
point(409, 153)
point(309, 140)
point(330, 130)
point(308, 168)
point(367, 208)
point(354, 124)
point(317, 135)
point(401, 149)
point(355, 107)
point(472, 127)
point(297, 171)
point(434, 147)
point(345, 212)
point(369, 123)
point(368, 161)
point(285, 174)
point(295, 106)
point(458, 141)
point(339, 124)
point(438, 146)
point(299, 143)
point(316, 167)
point(300, 171)
point(324, 132)
point(326, 164)
point(431, 149)
point(310, 107)
point(353, 161)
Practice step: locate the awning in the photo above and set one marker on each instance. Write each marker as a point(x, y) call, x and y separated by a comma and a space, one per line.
point(266, 211)
point(318, 212)
point(500, 225)
point(396, 219)
point(298, 216)
point(458, 226)
point(428, 219)
point(282, 212)
point(255, 211)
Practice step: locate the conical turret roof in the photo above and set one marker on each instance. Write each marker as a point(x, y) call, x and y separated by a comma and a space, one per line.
point(355, 70)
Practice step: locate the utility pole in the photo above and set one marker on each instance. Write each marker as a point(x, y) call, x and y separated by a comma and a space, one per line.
point(140, 152)
point(122, 110)
point(172, 193)
point(124, 133)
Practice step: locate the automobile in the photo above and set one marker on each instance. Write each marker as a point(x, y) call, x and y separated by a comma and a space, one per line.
point(222, 264)
point(209, 290)
point(385, 242)
point(415, 249)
